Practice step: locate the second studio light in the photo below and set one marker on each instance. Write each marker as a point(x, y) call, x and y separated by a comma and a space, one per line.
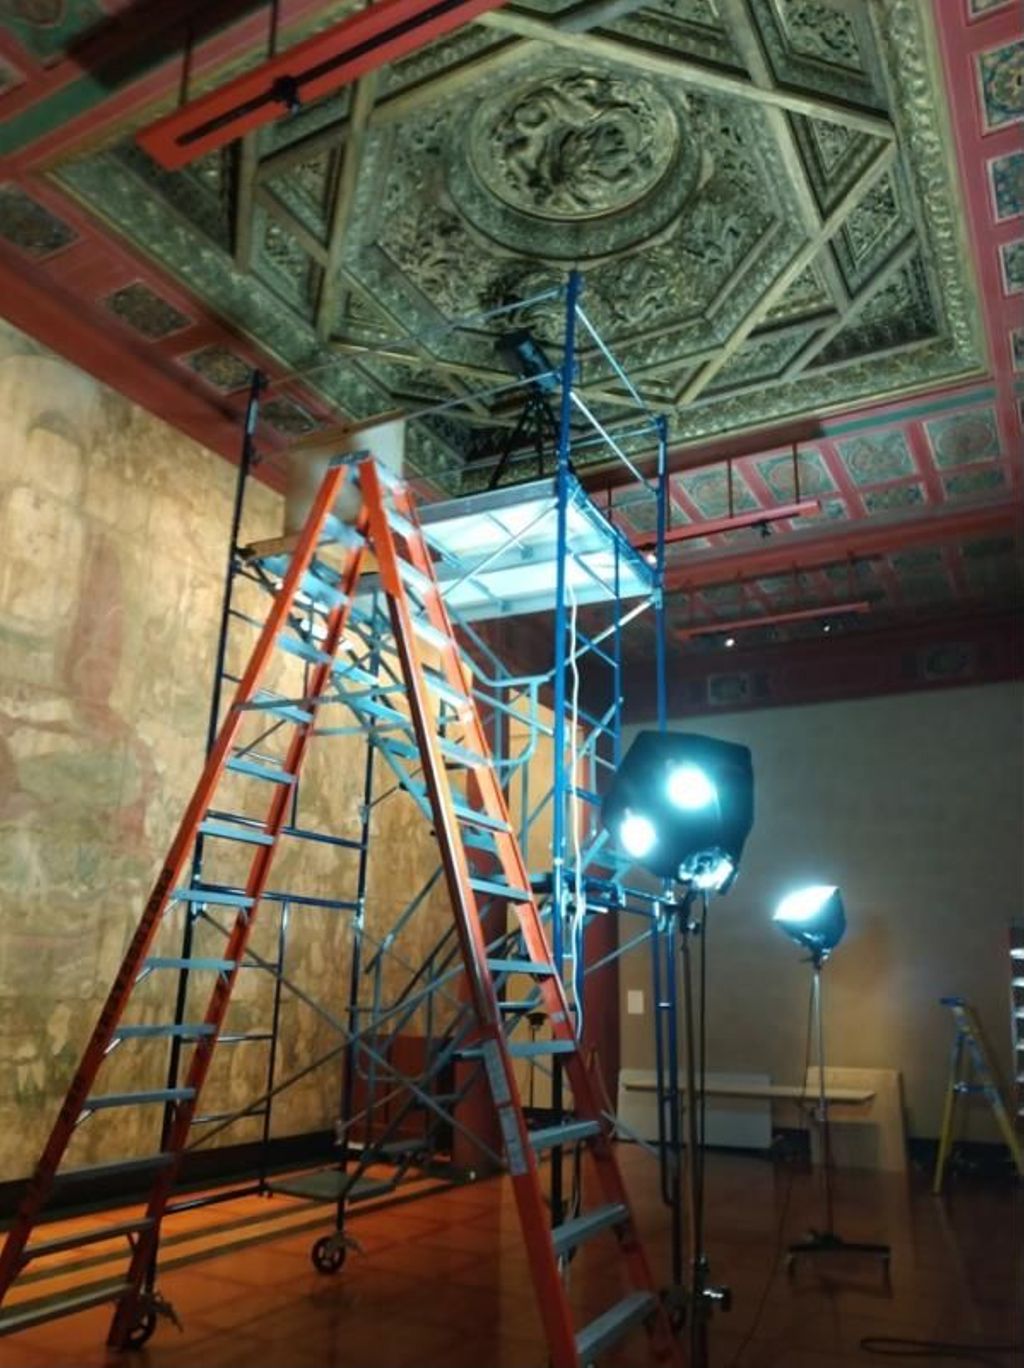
point(681, 805)
point(814, 917)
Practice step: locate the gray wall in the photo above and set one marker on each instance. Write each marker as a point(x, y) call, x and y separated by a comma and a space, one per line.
point(914, 806)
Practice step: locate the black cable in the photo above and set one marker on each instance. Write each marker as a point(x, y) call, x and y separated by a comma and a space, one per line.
point(891, 1346)
point(780, 1229)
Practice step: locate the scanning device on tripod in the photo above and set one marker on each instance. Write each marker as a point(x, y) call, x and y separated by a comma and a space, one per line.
point(525, 358)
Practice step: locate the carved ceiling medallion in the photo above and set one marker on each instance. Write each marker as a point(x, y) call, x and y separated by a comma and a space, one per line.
point(573, 145)
point(572, 164)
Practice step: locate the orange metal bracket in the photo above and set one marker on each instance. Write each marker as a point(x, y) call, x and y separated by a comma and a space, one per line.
point(383, 32)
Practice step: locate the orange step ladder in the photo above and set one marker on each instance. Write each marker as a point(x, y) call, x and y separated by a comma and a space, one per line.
point(477, 818)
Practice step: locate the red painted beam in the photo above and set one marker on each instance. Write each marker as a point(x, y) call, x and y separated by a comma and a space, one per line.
point(859, 539)
point(773, 619)
point(693, 531)
point(381, 33)
point(696, 455)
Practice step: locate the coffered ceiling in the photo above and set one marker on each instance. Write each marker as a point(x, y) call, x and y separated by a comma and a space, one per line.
point(797, 221)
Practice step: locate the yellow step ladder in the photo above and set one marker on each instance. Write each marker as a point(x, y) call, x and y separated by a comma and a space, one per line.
point(971, 1072)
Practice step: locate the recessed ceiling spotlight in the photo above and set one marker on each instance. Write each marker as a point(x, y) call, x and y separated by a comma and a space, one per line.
point(826, 627)
point(730, 641)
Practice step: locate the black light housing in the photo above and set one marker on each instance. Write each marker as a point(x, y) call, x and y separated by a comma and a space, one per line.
point(681, 806)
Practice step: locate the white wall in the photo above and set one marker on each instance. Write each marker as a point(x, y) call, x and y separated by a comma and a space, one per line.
point(914, 805)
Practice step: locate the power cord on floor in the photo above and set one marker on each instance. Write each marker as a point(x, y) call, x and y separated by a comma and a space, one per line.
point(891, 1346)
point(780, 1229)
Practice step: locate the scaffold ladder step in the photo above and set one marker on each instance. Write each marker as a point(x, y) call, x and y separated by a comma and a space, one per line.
point(288, 709)
point(427, 632)
point(519, 966)
point(23, 1315)
point(370, 707)
point(88, 1174)
point(568, 1133)
point(438, 685)
point(190, 962)
point(85, 1237)
point(354, 674)
point(304, 650)
point(571, 1234)
point(319, 587)
point(480, 840)
point(412, 578)
point(614, 1324)
point(223, 897)
point(182, 1030)
point(400, 524)
point(253, 769)
point(475, 817)
point(138, 1099)
point(461, 755)
point(525, 1049)
point(495, 889)
point(228, 831)
point(343, 534)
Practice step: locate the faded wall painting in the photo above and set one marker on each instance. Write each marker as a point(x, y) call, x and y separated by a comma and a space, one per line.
point(114, 532)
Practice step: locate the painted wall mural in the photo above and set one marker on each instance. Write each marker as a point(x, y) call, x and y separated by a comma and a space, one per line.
point(114, 529)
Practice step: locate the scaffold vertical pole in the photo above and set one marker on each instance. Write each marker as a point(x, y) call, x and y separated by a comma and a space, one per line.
point(247, 459)
point(558, 724)
point(659, 570)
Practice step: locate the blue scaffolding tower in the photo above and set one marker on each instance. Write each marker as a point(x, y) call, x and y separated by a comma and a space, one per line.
point(542, 546)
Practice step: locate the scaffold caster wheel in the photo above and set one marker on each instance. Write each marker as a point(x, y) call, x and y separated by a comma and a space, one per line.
point(328, 1255)
point(142, 1331)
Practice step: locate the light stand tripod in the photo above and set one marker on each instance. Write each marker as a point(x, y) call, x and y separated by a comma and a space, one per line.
point(536, 420)
point(826, 1241)
point(692, 1303)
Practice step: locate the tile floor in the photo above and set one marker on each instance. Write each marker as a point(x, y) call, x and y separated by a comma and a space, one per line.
point(444, 1282)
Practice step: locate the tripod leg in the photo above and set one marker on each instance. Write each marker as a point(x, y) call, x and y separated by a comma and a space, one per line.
point(509, 447)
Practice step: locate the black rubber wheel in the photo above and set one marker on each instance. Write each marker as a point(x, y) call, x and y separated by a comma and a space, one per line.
point(328, 1256)
point(142, 1331)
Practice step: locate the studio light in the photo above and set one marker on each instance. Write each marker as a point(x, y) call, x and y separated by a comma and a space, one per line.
point(637, 835)
point(681, 806)
point(813, 917)
point(690, 788)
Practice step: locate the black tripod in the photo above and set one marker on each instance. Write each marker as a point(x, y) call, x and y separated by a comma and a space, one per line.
point(827, 1241)
point(536, 421)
